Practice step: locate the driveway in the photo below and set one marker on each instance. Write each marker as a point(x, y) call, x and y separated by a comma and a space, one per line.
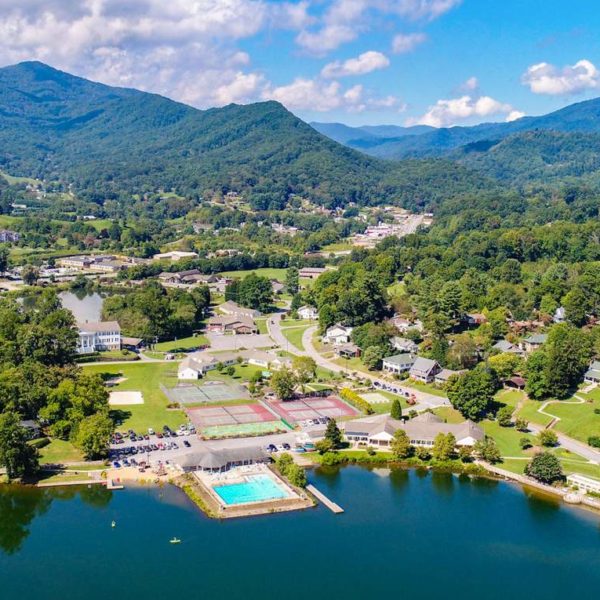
point(274, 327)
point(571, 445)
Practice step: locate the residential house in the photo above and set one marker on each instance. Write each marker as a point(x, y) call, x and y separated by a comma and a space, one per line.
point(592, 375)
point(98, 337)
point(583, 483)
point(231, 324)
point(504, 346)
point(233, 308)
point(311, 272)
point(7, 236)
point(277, 286)
point(424, 370)
point(267, 360)
point(309, 313)
point(348, 350)
point(196, 364)
point(403, 325)
point(559, 315)
point(474, 319)
point(337, 334)
point(444, 375)
point(422, 430)
point(533, 342)
point(399, 363)
point(404, 345)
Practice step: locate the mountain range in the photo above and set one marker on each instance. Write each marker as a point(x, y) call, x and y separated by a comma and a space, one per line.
point(110, 143)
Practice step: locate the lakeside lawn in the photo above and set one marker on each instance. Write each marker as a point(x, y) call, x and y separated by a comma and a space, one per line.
point(578, 421)
point(507, 438)
point(59, 451)
point(278, 274)
point(143, 377)
point(182, 343)
point(529, 412)
point(294, 335)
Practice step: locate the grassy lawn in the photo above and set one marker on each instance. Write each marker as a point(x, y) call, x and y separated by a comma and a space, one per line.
point(59, 451)
point(294, 335)
point(449, 414)
point(296, 322)
point(529, 412)
point(569, 466)
point(507, 438)
point(577, 420)
point(144, 377)
point(182, 343)
point(397, 289)
point(424, 387)
point(261, 323)
point(510, 397)
point(337, 247)
point(351, 364)
point(278, 274)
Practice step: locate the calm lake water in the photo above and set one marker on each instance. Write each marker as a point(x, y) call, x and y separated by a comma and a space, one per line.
point(84, 306)
point(404, 535)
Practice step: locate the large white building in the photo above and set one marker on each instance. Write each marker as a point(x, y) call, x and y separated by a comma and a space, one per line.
point(98, 337)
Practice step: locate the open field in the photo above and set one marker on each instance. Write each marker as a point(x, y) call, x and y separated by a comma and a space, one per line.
point(529, 412)
point(578, 421)
point(182, 343)
point(144, 377)
point(449, 414)
point(58, 451)
point(278, 274)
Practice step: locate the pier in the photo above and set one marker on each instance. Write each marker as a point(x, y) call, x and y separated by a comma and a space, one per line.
point(332, 506)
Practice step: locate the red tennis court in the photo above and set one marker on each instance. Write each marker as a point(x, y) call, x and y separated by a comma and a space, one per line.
point(312, 408)
point(209, 416)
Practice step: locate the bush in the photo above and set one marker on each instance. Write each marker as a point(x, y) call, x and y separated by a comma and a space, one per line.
point(296, 475)
point(522, 424)
point(357, 401)
point(422, 453)
point(40, 443)
point(525, 443)
point(504, 416)
point(548, 438)
point(594, 441)
point(331, 459)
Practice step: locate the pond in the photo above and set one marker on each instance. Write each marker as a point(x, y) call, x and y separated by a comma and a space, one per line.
point(85, 306)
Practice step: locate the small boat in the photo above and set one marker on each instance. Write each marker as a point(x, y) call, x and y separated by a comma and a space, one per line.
point(175, 541)
point(113, 524)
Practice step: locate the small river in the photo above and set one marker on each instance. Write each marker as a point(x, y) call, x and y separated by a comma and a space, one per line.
point(405, 534)
point(85, 307)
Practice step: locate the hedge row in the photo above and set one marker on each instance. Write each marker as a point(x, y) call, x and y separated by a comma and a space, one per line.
point(357, 401)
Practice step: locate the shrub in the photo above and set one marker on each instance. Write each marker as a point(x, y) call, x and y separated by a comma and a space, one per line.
point(545, 467)
point(357, 401)
point(594, 440)
point(504, 416)
point(331, 459)
point(422, 453)
point(522, 424)
point(525, 443)
point(40, 443)
point(548, 438)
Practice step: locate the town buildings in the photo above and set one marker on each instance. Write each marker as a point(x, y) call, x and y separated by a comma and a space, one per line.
point(99, 337)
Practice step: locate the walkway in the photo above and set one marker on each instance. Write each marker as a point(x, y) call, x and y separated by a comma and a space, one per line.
point(274, 329)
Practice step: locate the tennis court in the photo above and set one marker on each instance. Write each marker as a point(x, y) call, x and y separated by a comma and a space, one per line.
point(312, 408)
point(190, 393)
point(243, 429)
point(241, 414)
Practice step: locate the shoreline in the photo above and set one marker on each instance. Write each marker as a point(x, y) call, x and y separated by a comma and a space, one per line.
point(115, 479)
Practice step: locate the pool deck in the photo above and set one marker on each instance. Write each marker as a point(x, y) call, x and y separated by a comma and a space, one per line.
point(202, 485)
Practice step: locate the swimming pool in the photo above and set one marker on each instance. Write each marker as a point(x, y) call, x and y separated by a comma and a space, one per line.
point(256, 488)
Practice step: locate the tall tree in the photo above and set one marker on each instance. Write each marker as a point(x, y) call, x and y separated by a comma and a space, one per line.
point(16, 455)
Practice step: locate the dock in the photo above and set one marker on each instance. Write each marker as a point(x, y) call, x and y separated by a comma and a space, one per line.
point(332, 506)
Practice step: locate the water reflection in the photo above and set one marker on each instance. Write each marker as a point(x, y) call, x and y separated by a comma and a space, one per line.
point(443, 483)
point(83, 305)
point(20, 505)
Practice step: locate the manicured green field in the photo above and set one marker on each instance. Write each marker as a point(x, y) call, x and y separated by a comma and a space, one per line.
point(510, 397)
point(578, 421)
point(182, 343)
point(449, 414)
point(294, 335)
point(278, 274)
point(529, 412)
point(507, 438)
point(144, 377)
point(424, 387)
point(59, 451)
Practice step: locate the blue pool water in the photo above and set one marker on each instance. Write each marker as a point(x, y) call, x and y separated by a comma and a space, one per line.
point(258, 488)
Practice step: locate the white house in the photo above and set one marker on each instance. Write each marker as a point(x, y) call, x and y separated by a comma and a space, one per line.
point(233, 308)
point(399, 363)
point(308, 312)
point(196, 364)
point(592, 375)
point(584, 484)
point(337, 334)
point(404, 344)
point(98, 337)
point(175, 255)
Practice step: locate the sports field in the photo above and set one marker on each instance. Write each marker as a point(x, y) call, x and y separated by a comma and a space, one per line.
point(190, 393)
point(295, 411)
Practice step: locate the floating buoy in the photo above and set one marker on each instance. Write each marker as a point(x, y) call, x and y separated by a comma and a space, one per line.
point(175, 541)
point(113, 524)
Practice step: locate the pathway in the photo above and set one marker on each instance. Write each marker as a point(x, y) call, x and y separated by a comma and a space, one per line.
point(274, 329)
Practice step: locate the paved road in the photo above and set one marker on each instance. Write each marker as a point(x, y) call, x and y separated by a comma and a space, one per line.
point(424, 399)
point(571, 445)
point(274, 327)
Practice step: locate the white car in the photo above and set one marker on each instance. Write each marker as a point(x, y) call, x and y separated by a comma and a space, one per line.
point(150, 431)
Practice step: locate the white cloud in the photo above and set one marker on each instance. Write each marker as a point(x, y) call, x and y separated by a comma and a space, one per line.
point(180, 48)
point(407, 42)
point(362, 64)
point(544, 78)
point(513, 115)
point(470, 84)
point(450, 112)
point(323, 96)
point(345, 19)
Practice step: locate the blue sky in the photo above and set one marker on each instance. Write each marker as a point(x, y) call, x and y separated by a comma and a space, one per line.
point(439, 62)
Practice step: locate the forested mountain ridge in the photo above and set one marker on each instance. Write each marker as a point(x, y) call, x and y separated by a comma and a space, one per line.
point(582, 117)
point(110, 143)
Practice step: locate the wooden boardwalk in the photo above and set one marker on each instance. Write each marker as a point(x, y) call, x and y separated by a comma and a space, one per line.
point(332, 506)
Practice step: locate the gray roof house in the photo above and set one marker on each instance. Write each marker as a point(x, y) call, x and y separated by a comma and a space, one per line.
point(220, 459)
point(592, 375)
point(424, 370)
point(422, 430)
point(404, 344)
point(399, 363)
point(533, 342)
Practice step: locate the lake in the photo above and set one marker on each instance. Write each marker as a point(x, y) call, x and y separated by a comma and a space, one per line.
point(404, 534)
point(85, 307)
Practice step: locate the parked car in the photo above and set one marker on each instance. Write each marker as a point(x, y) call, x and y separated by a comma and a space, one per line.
point(150, 431)
point(187, 444)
